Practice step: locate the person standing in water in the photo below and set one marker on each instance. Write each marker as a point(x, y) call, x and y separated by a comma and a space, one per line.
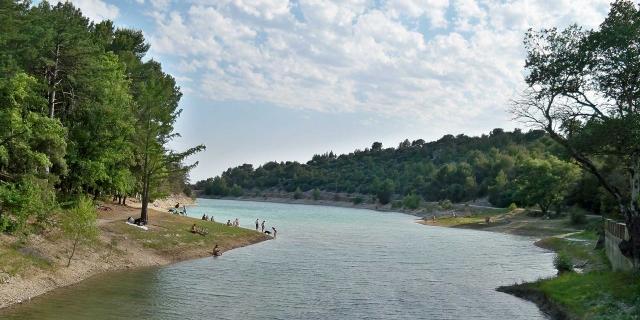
point(275, 232)
point(262, 225)
point(257, 224)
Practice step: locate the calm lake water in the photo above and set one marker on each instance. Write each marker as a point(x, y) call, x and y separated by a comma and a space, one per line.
point(327, 263)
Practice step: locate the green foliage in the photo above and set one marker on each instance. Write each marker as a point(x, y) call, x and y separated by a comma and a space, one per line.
point(397, 204)
point(583, 90)
point(81, 111)
point(544, 182)
point(411, 201)
point(315, 194)
point(445, 204)
point(577, 216)
point(298, 194)
point(384, 191)
point(31, 197)
point(236, 191)
point(595, 295)
point(357, 200)
point(79, 224)
point(562, 262)
point(457, 168)
point(512, 207)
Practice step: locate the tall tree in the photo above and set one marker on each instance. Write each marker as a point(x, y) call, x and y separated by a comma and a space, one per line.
point(544, 182)
point(584, 90)
point(156, 113)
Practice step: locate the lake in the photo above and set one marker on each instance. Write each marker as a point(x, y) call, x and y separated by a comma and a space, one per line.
point(326, 263)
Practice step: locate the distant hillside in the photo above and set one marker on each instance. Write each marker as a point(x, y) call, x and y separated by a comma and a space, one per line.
point(456, 168)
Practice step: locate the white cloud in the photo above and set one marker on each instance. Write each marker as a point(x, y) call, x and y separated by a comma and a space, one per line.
point(97, 10)
point(359, 55)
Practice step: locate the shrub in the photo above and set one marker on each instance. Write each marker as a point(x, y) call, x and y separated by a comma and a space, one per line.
point(512, 207)
point(577, 216)
point(315, 194)
point(445, 204)
point(396, 204)
point(297, 194)
point(357, 200)
point(412, 201)
point(79, 224)
point(562, 262)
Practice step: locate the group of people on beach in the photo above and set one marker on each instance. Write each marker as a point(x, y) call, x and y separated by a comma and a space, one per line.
point(235, 223)
point(260, 226)
point(207, 218)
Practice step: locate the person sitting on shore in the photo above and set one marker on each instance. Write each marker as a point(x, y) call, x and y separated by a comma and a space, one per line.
point(204, 217)
point(130, 220)
point(237, 222)
point(229, 223)
point(216, 251)
point(139, 222)
point(194, 228)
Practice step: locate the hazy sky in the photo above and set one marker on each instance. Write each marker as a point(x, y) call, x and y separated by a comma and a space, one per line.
point(282, 80)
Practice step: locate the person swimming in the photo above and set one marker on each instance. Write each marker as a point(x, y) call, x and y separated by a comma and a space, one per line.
point(216, 251)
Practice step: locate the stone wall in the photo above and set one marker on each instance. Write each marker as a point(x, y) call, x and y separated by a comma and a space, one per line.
point(614, 233)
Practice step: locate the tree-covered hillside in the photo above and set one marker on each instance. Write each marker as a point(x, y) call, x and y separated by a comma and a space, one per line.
point(505, 166)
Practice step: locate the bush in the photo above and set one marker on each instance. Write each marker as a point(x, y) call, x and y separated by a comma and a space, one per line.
point(577, 216)
point(315, 194)
point(445, 204)
point(396, 204)
point(512, 207)
point(562, 262)
point(297, 194)
point(357, 200)
point(79, 224)
point(412, 201)
point(236, 191)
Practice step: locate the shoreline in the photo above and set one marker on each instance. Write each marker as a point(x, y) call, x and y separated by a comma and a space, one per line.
point(120, 247)
point(420, 212)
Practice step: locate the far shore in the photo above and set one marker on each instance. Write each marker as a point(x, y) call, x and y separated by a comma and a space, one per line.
point(423, 211)
point(39, 262)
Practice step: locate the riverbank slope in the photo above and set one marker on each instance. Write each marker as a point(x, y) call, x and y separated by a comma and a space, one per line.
point(35, 264)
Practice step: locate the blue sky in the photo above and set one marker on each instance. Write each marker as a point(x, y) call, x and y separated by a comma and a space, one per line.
point(285, 79)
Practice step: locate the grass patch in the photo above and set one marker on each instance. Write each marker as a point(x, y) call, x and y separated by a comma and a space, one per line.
point(595, 295)
point(13, 261)
point(580, 249)
point(171, 234)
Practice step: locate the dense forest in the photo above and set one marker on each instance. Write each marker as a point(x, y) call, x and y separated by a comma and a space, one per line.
point(525, 168)
point(82, 112)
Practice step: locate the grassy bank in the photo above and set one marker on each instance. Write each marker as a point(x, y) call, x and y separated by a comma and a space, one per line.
point(33, 265)
point(592, 292)
point(505, 221)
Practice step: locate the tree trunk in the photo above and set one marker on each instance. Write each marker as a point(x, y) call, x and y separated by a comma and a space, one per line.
point(145, 200)
point(53, 83)
point(73, 250)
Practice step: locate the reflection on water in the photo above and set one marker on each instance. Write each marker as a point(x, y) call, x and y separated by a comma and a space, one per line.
point(327, 263)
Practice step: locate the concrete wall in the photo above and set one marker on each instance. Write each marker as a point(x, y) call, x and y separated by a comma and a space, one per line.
point(614, 233)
